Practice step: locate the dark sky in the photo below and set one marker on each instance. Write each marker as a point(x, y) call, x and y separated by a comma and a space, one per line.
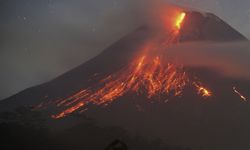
point(41, 39)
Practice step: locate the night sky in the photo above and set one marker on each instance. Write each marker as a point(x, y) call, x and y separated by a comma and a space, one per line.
point(41, 39)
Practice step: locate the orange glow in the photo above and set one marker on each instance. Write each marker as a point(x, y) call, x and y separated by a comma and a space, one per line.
point(68, 111)
point(148, 75)
point(239, 94)
point(144, 76)
point(179, 20)
point(204, 92)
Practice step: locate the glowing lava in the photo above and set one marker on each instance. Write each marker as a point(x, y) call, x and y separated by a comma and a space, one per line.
point(148, 75)
point(180, 20)
point(144, 76)
point(239, 94)
point(201, 90)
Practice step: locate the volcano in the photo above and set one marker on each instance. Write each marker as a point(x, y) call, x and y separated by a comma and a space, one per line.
point(197, 26)
point(131, 85)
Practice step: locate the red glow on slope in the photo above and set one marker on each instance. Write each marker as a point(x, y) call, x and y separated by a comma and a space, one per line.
point(144, 76)
point(147, 75)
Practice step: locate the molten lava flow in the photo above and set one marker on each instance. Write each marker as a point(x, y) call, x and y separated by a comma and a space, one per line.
point(201, 90)
point(144, 76)
point(180, 20)
point(147, 75)
point(239, 94)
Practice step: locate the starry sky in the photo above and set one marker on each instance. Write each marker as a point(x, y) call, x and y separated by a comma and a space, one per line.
point(41, 39)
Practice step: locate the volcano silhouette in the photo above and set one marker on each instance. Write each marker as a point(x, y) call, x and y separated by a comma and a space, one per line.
point(186, 118)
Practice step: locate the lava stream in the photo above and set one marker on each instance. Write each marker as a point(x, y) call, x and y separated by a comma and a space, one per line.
point(180, 20)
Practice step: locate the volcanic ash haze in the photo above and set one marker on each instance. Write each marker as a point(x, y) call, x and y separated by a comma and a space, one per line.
point(132, 84)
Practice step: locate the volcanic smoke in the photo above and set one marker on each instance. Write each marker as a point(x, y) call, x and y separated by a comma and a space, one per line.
point(147, 75)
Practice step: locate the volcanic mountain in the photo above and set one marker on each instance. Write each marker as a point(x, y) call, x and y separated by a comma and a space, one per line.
point(197, 26)
point(130, 86)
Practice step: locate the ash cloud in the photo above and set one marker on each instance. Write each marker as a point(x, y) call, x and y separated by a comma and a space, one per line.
point(230, 59)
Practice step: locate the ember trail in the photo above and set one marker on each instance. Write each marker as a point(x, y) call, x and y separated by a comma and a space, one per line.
point(147, 75)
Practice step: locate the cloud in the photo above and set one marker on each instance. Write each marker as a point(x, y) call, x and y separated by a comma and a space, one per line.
point(231, 59)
